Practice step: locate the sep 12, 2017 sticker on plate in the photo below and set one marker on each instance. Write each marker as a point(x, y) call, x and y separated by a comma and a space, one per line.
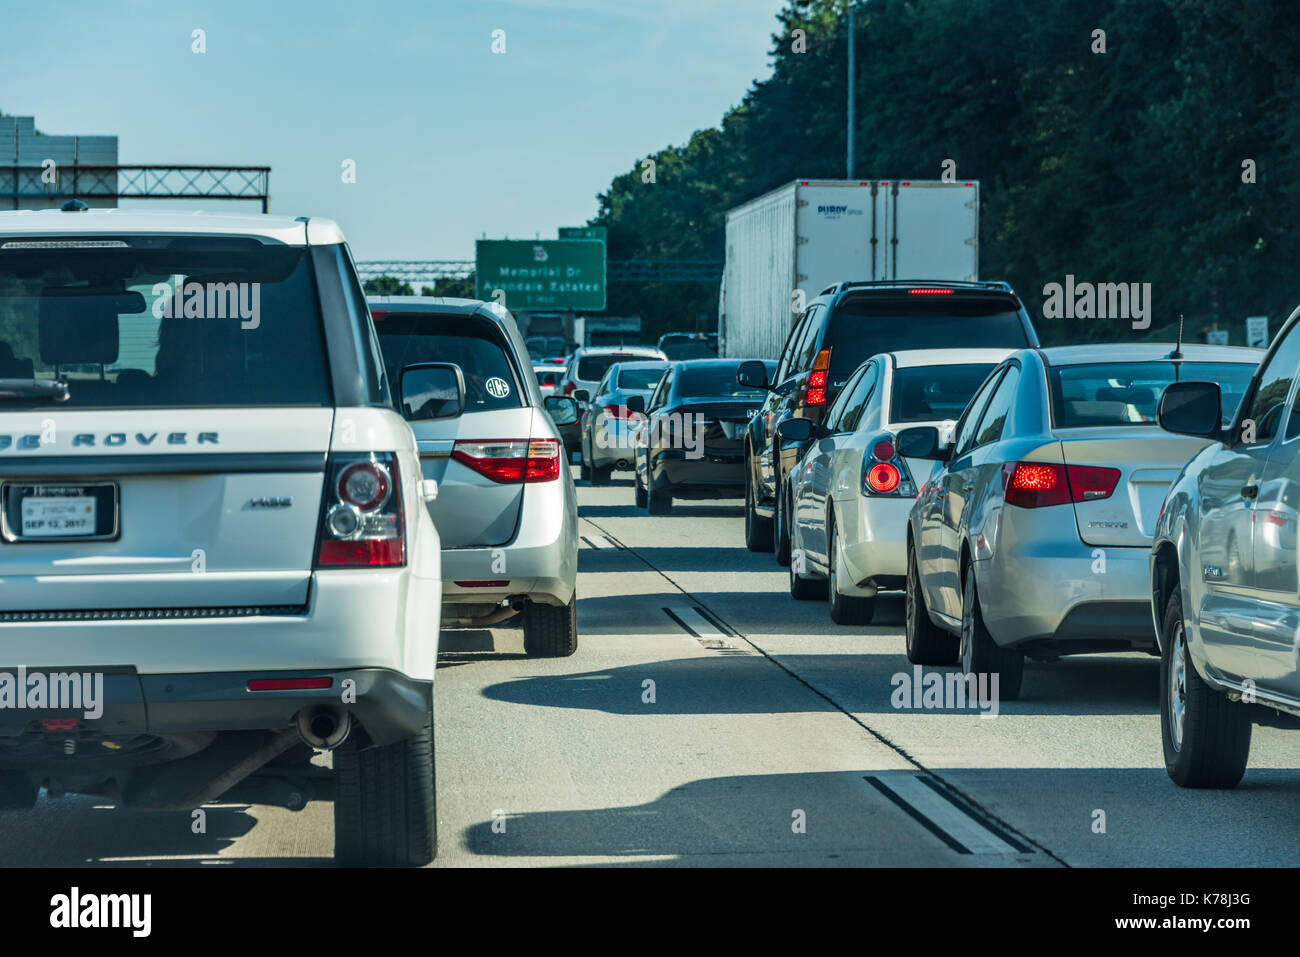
point(498, 387)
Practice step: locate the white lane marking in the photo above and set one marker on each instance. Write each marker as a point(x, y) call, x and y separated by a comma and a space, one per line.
point(703, 629)
point(961, 828)
point(597, 541)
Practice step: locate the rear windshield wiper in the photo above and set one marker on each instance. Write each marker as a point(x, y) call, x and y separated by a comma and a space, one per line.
point(56, 389)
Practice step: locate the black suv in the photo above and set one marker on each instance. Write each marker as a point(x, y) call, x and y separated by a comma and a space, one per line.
point(843, 327)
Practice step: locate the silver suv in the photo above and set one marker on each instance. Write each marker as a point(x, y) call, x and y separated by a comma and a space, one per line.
point(1225, 580)
point(506, 507)
point(214, 545)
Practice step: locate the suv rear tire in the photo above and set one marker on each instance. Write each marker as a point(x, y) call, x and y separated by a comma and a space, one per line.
point(758, 530)
point(385, 803)
point(980, 654)
point(1208, 745)
point(927, 643)
point(551, 631)
point(781, 528)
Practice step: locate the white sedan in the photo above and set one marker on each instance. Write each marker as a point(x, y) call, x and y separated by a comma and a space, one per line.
point(850, 493)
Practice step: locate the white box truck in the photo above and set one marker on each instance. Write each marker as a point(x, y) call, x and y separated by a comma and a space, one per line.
point(812, 233)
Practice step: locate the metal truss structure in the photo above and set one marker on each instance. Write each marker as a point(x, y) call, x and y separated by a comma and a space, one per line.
point(137, 182)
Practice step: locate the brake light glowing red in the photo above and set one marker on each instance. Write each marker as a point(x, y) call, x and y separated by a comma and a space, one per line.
point(1035, 484)
point(883, 477)
point(929, 292)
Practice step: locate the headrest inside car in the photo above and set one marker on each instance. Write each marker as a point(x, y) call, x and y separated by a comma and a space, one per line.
point(77, 330)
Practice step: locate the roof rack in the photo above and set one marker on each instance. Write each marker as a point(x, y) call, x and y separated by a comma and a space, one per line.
point(907, 283)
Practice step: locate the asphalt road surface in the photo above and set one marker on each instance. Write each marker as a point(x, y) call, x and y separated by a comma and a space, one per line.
point(710, 719)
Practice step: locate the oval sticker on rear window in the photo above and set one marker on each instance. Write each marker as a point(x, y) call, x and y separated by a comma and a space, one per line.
point(498, 387)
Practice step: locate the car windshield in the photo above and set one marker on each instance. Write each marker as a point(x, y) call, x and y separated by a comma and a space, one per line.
point(161, 322)
point(925, 393)
point(688, 349)
point(713, 381)
point(640, 378)
point(864, 326)
point(1128, 393)
point(407, 338)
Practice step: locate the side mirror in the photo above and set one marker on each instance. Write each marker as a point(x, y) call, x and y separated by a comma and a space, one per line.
point(636, 403)
point(432, 390)
point(752, 374)
point(795, 430)
point(562, 409)
point(1191, 408)
point(582, 395)
point(920, 442)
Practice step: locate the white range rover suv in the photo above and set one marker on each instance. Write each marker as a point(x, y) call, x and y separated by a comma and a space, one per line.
point(215, 547)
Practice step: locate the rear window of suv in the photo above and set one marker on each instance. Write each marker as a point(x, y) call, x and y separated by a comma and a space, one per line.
point(160, 322)
point(862, 326)
point(406, 338)
point(593, 368)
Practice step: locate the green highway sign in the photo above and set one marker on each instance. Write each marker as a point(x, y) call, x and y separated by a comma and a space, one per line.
point(542, 273)
point(584, 232)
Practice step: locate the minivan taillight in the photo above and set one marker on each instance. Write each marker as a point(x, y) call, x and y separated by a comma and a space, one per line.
point(361, 523)
point(511, 460)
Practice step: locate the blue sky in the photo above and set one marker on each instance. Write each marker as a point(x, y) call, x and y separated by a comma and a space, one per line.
point(450, 140)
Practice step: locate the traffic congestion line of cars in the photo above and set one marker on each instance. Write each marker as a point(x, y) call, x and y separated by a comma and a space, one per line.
point(1034, 503)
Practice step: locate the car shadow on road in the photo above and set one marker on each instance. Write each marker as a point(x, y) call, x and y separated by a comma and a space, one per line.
point(463, 646)
point(79, 831)
point(746, 820)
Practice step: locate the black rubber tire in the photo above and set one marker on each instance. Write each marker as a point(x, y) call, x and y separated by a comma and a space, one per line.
point(780, 528)
point(584, 470)
point(845, 609)
point(550, 631)
point(638, 491)
point(980, 653)
point(385, 803)
point(805, 589)
point(927, 643)
point(1215, 744)
point(658, 501)
point(758, 530)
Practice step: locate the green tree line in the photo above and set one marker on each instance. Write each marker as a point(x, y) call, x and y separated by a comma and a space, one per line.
point(1128, 165)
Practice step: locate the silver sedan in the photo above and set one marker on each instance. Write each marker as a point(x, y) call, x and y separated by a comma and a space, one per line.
point(1031, 536)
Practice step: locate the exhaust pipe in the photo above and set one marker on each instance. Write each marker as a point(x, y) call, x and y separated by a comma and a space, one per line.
point(324, 726)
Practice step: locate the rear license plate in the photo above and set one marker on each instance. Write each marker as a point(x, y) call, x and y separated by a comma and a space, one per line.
point(35, 513)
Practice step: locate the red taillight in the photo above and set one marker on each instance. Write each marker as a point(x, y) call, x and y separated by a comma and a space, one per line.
point(883, 477)
point(816, 392)
point(1088, 483)
point(365, 485)
point(288, 684)
point(511, 460)
point(570, 388)
point(379, 315)
point(925, 291)
point(361, 513)
point(1035, 484)
point(618, 411)
point(883, 450)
